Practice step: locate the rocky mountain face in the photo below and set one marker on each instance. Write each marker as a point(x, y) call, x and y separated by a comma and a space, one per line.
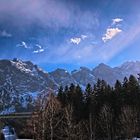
point(26, 77)
point(107, 73)
point(62, 77)
point(83, 76)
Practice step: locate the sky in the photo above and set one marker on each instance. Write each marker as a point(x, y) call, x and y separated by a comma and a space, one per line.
point(70, 33)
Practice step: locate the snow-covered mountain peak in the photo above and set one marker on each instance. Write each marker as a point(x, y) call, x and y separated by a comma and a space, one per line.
point(21, 66)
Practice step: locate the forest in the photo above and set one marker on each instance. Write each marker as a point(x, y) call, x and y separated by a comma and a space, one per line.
point(100, 112)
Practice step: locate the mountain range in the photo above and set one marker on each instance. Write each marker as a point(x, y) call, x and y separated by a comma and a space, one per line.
point(27, 77)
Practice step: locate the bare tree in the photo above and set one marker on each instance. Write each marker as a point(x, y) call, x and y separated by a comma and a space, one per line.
point(74, 130)
point(129, 121)
point(38, 117)
point(47, 117)
point(106, 121)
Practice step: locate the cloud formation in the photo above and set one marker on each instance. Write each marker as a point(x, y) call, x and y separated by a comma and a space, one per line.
point(4, 33)
point(109, 50)
point(39, 49)
point(113, 47)
point(110, 33)
point(32, 48)
point(116, 20)
point(23, 44)
point(32, 11)
point(46, 13)
point(77, 40)
point(68, 24)
point(83, 36)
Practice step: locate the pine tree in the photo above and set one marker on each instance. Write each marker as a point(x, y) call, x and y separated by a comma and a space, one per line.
point(61, 96)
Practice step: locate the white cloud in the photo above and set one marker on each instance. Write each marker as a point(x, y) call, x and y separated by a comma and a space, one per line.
point(112, 48)
point(83, 37)
point(110, 33)
point(23, 44)
point(116, 20)
point(39, 46)
point(75, 40)
point(105, 53)
point(39, 49)
point(5, 34)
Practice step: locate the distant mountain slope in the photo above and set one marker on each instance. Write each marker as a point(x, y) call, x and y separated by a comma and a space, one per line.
point(128, 68)
point(62, 77)
point(106, 73)
point(26, 77)
point(83, 76)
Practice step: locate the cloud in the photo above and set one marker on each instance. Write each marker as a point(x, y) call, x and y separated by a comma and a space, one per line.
point(46, 13)
point(23, 44)
point(75, 40)
point(116, 20)
point(39, 46)
point(33, 48)
point(83, 36)
point(4, 33)
point(118, 44)
point(39, 49)
point(67, 54)
point(34, 11)
point(110, 33)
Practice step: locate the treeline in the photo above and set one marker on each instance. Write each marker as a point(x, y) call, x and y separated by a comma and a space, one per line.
point(100, 112)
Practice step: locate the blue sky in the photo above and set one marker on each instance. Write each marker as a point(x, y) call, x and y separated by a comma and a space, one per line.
point(70, 33)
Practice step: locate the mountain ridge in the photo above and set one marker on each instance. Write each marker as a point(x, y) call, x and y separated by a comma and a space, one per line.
point(28, 77)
